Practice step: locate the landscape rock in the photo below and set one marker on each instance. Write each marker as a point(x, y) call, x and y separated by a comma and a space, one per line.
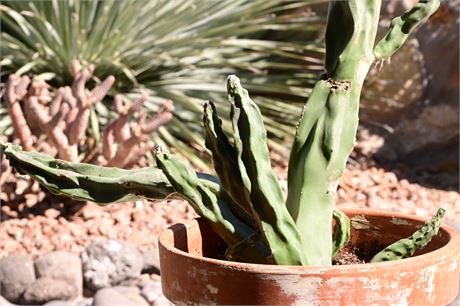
point(58, 303)
point(110, 262)
point(61, 265)
point(46, 289)
point(16, 274)
point(151, 260)
point(4, 302)
point(127, 290)
point(151, 291)
point(162, 301)
point(113, 297)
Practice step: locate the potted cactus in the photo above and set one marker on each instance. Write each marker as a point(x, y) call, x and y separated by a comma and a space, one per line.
point(252, 246)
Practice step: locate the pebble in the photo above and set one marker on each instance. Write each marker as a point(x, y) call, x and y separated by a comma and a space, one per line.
point(61, 265)
point(16, 274)
point(112, 297)
point(46, 289)
point(110, 262)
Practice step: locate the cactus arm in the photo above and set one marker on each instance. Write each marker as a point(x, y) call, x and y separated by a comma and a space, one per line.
point(406, 247)
point(326, 133)
point(260, 183)
point(341, 231)
point(209, 206)
point(224, 157)
point(87, 182)
point(402, 26)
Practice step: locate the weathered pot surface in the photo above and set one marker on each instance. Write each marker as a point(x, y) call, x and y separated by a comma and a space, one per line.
point(429, 278)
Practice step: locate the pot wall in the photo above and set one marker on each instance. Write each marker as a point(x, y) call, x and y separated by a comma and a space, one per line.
point(427, 279)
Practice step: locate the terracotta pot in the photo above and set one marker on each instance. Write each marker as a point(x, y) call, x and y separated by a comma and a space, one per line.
point(191, 275)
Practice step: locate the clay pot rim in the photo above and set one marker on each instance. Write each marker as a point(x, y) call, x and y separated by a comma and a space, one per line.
point(451, 249)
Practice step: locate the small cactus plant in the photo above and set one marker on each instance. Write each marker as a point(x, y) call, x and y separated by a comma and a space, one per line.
point(245, 204)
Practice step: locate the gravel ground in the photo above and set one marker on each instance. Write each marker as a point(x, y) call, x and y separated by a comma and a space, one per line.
point(53, 225)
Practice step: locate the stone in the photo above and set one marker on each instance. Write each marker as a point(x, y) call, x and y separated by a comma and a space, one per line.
point(46, 289)
point(162, 301)
point(61, 265)
point(5, 302)
point(131, 292)
point(113, 297)
point(151, 260)
point(151, 291)
point(16, 274)
point(58, 303)
point(110, 262)
point(83, 301)
point(127, 290)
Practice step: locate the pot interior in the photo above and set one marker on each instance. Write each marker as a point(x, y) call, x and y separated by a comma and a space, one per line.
point(370, 233)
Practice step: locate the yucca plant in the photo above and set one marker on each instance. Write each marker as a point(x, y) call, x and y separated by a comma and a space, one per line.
point(178, 50)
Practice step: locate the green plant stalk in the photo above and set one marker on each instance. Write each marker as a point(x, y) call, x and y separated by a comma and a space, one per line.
point(212, 206)
point(260, 183)
point(224, 157)
point(406, 247)
point(326, 133)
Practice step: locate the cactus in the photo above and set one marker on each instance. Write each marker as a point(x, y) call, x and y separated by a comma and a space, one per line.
point(88, 182)
point(406, 247)
point(63, 116)
point(245, 204)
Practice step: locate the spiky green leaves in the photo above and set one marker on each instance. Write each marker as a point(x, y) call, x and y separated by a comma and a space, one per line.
point(406, 247)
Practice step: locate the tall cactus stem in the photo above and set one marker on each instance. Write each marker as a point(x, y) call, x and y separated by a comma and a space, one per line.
point(326, 132)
